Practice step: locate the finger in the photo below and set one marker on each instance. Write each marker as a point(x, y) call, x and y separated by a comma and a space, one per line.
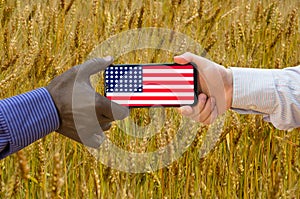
point(105, 126)
point(205, 113)
point(185, 110)
point(212, 117)
point(189, 111)
point(110, 109)
point(102, 119)
point(93, 66)
point(94, 140)
point(202, 99)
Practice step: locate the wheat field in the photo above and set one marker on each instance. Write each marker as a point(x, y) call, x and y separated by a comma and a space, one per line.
point(40, 39)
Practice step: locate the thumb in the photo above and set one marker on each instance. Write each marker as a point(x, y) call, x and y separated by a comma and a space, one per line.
point(185, 58)
point(110, 109)
point(203, 65)
point(95, 65)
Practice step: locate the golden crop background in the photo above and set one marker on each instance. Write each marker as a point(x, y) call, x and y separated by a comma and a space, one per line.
point(41, 39)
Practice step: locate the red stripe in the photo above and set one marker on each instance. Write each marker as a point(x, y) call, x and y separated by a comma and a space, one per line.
point(188, 90)
point(151, 97)
point(169, 67)
point(148, 105)
point(168, 75)
point(152, 82)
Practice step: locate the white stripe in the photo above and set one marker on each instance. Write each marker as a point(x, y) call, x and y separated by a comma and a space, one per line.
point(167, 86)
point(150, 94)
point(168, 78)
point(154, 101)
point(168, 71)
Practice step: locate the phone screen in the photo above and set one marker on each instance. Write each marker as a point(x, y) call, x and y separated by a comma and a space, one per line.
point(148, 85)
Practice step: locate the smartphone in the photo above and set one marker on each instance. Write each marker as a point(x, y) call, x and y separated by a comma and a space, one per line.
point(148, 85)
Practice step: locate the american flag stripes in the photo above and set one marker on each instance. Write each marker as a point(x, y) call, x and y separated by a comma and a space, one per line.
point(150, 85)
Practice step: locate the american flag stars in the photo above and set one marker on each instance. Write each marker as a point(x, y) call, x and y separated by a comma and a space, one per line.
point(124, 79)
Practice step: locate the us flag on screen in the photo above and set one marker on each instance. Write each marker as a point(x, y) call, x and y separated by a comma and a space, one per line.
point(150, 85)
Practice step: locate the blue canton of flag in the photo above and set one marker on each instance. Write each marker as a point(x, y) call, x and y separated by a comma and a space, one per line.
point(124, 79)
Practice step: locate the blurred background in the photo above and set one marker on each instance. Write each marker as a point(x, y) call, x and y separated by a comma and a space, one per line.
point(40, 39)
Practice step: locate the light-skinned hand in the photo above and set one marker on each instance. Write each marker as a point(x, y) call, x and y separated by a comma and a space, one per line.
point(215, 82)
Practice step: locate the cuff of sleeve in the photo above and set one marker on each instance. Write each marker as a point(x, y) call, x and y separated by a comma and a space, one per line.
point(29, 117)
point(253, 90)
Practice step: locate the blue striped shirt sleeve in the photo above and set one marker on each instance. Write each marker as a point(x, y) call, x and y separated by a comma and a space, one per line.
point(26, 118)
point(273, 93)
